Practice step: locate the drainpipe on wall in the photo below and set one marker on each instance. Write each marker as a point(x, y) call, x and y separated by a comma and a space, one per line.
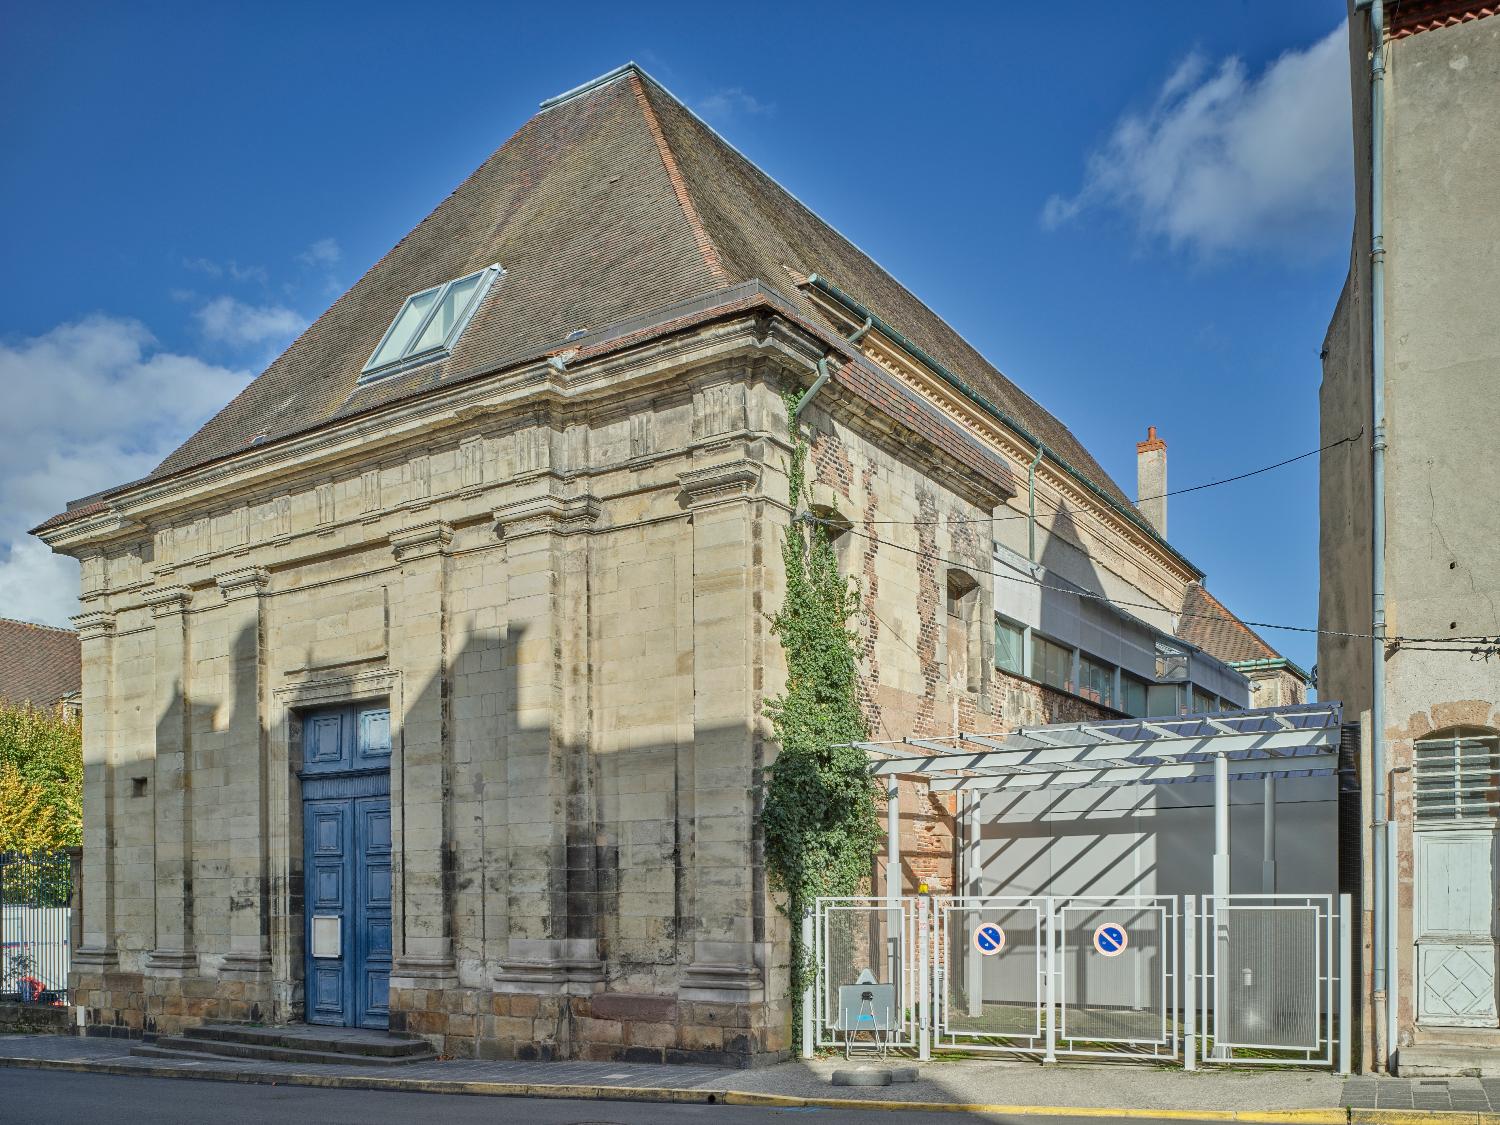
point(1031, 501)
point(823, 372)
point(1384, 955)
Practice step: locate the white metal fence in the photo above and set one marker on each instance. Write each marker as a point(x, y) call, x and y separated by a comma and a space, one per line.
point(1240, 979)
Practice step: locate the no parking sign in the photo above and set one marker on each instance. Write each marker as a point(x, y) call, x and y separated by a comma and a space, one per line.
point(1111, 939)
point(989, 939)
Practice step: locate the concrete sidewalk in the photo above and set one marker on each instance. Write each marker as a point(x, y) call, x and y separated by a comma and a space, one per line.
point(1138, 1091)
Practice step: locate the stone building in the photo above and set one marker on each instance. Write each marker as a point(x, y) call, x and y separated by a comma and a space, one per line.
point(1416, 322)
point(426, 681)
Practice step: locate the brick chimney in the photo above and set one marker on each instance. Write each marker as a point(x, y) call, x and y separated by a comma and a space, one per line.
point(1151, 480)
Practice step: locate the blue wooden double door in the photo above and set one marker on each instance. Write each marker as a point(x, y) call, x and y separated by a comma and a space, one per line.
point(346, 825)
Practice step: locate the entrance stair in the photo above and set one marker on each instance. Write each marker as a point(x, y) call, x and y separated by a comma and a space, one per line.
point(295, 1043)
point(1450, 1052)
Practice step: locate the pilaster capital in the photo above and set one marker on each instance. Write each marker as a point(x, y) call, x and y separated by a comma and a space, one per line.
point(94, 625)
point(245, 582)
point(421, 540)
point(727, 480)
point(559, 515)
point(167, 601)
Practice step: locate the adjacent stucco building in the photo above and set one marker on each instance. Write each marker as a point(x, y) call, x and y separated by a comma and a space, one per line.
point(1431, 981)
point(426, 681)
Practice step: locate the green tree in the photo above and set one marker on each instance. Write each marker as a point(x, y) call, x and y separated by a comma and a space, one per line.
point(818, 814)
point(41, 764)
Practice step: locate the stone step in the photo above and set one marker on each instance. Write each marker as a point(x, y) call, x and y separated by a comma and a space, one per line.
point(332, 1040)
point(1486, 1037)
point(207, 1050)
point(1445, 1061)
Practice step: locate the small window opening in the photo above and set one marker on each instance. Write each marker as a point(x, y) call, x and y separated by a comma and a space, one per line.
point(1457, 776)
point(430, 322)
point(138, 786)
point(965, 651)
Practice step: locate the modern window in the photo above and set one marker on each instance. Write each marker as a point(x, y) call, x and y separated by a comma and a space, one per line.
point(1203, 702)
point(1133, 690)
point(1097, 680)
point(1458, 776)
point(1051, 663)
point(430, 322)
point(1010, 651)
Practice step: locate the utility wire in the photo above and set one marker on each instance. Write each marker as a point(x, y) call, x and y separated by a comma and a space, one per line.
point(1159, 496)
point(808, 517)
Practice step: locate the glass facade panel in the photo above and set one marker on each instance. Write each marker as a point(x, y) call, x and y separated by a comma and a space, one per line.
point(1010, 654)
point(1133, 688)
point(1051, 663)
point(1097, 680)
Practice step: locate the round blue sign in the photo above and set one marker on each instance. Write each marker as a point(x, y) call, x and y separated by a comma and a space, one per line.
point(1111, 939)
point(989, 939)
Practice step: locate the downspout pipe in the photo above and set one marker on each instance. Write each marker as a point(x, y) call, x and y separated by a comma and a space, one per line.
point(824, 373)
point(1383, 952)
point(1031, 501)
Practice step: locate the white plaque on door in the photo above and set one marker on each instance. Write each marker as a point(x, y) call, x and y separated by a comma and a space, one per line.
point(326, 934)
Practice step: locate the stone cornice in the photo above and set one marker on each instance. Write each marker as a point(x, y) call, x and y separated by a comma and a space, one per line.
point(547, 514)
point(728, 480)
point(94, 625)
point(525, 386)
point(166, 601)
point(421, 540)
point(246, 582)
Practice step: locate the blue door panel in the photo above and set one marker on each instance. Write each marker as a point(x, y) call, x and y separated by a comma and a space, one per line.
point(347, 864)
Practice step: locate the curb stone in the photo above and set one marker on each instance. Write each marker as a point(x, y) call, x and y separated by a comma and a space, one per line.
point(1329, 1116)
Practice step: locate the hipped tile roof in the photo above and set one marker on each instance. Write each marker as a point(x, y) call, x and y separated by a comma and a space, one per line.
point(39, 664)
point(1206, 623)
point(609, 204)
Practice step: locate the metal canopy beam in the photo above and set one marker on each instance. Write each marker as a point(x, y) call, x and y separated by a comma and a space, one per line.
point(1138, 774)
point(1059, 759)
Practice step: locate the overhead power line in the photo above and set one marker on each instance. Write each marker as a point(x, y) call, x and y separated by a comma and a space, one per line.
point(1159, 496)
point(1466, 643)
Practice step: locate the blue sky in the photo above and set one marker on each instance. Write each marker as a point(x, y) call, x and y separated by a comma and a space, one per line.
point(1141, 215)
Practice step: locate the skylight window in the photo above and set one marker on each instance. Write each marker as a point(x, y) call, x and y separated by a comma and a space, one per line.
point(430, 322)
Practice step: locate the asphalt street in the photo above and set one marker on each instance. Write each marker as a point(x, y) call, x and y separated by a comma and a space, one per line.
point(39, 1097)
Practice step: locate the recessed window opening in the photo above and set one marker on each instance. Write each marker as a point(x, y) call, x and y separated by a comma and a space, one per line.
point(1051, 663)
point(1097, 680)
point(430, 322)
point(964, 643)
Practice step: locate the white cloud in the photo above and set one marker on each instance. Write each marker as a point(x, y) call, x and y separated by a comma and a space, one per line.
point(324, 252)
point(230, 269)
point(230, 321)
point(733, 101)
point(89, 405)
point(1223, 161)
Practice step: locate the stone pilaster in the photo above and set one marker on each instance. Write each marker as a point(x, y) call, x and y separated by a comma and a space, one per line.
point(172, 789)
point(422, 768)
point(726, 963)
point(550, 814)
point(96, 954)
point(244, 810)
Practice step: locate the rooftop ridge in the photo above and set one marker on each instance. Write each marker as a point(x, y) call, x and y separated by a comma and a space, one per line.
point(37, 625)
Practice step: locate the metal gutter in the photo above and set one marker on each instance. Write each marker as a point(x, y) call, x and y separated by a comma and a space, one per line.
point(1271, 662)
point(826, 287)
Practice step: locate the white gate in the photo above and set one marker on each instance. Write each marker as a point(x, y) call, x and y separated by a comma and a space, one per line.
point(1273, 987)
point(1250, 979)
point(1056, 976)
point(857, 939)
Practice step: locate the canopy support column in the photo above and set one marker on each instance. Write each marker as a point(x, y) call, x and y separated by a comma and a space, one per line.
point(1268, 838)
point(1221, 826)
point(893, 883)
